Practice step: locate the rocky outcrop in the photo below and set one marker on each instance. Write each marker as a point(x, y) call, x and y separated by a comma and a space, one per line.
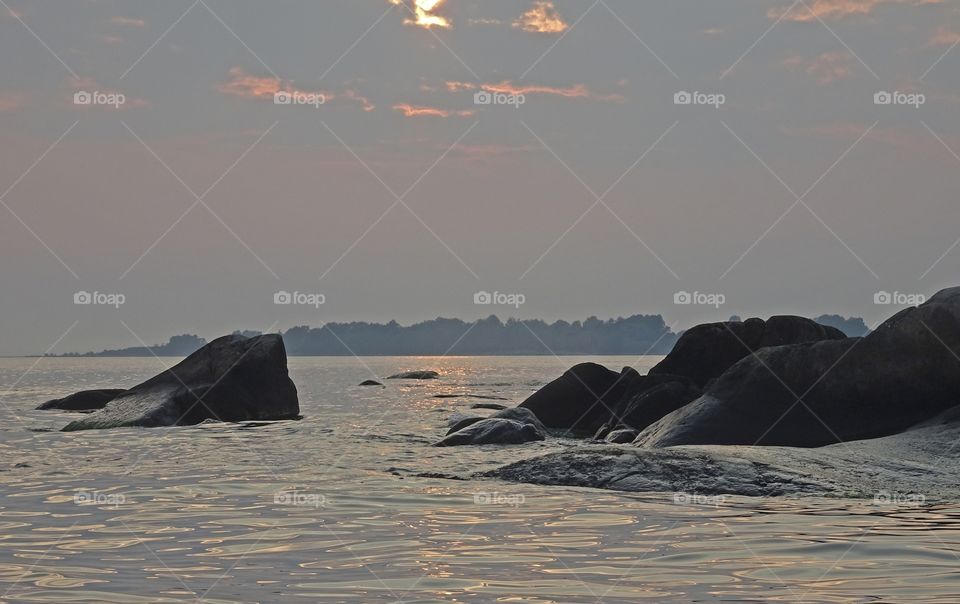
point(493, 431)
point(415, 375)
point(815, 394)
point(87, 400)
point(591, 399)
point(230, 379)
point(704, 352)
point(581, 399)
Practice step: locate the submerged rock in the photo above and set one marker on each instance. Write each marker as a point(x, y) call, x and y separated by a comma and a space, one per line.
point(496, 406)
point(370, 383)
point(493, 431)
point(921, 463)
point(815, 394)
point(231, 379)
point(87, 400)
point(524, 416)
point(415, 375)
point(622, 436)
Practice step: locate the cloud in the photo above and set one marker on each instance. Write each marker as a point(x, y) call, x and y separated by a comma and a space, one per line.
point(543, 18)
point(11, 102)
point(577, 91)
point(249, 86)
point(944, 37)
point(836, 9)
point(423, 111)
point(128, 21)
point(826, 68)
point(424, 12)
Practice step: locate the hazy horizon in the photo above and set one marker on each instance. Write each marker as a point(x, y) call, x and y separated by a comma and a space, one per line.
point(576, 180)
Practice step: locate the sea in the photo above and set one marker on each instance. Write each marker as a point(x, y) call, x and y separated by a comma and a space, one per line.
point(352, 503)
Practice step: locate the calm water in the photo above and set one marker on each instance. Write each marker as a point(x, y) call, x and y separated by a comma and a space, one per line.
point(329, 508)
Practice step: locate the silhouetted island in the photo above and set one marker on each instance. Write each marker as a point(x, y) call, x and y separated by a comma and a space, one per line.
point(634, 335)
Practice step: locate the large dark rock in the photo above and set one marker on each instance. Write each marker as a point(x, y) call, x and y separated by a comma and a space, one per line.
point(493, 431)
point(704, 352)
point(370, 383)
point(814, 394)
point(87, 400)
point(581, 399)
point(656, 401)
point(231, 379)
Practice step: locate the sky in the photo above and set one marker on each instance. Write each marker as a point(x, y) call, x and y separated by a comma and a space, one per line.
point(201, 166)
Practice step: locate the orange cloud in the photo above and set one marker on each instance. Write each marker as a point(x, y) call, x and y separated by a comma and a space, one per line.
point(422, 111)
point(424, 12)
point(837, 9)
point(578, 91)
point(826, 68)
point(10, 102)
point(543, 18)
point(128, 21)
point(944, 37)
point(248, 86)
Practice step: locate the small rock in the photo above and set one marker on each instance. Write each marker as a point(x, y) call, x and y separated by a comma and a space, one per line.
point(415, 375)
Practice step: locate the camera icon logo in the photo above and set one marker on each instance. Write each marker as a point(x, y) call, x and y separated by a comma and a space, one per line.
point(882, 98)
point(282, 98)
point(682, 98)
point(682, 298)
point(883, 298)
point(82, 98)
point(83, 298)
point(482, 98)
point(483, 298)
point(283, 298)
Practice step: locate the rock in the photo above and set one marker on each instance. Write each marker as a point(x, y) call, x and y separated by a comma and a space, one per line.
point(581, 399)
point(493, 431)
point(524, 416)
point(496, 406)
point(621, 436)
point(704, 352)
point(415, 375)
point(231, 379)
point(653, 403)
point(87, 400)
point(921, 460)
point(905, 372)
point(370, 383)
